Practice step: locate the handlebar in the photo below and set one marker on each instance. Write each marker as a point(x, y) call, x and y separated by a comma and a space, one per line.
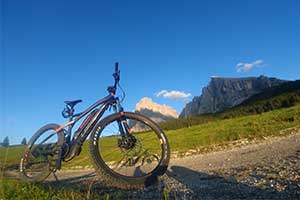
point(116, 67)
point(116, 75)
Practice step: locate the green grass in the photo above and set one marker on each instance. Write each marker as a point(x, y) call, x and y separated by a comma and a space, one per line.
point(13, 189)
point(221, 131)
point(18, 190)
point(10, 156)
point(196, 137)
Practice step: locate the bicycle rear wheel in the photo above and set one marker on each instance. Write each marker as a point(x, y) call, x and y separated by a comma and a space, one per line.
point(41, 154)
point(130, 162)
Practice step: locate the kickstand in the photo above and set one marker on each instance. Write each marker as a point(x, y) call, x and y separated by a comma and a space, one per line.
point(55, 176)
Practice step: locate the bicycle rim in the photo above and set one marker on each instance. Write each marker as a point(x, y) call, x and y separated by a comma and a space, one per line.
point(137, 156)
point(40, 156)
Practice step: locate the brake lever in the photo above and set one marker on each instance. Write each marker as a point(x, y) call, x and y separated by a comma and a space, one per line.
point(117, 75)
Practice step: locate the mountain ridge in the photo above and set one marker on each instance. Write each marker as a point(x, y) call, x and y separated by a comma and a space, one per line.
point(281, 96)
point(222, 93)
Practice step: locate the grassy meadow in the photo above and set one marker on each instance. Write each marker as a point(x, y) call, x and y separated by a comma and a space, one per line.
point(195, 137)
point(17, 190)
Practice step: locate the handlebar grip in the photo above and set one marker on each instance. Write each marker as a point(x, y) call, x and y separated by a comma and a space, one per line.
point(116, 67)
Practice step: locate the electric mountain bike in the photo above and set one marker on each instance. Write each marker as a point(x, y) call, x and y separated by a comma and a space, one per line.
point(127, 149)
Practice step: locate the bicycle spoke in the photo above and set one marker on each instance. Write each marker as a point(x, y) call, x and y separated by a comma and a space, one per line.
point(47, 138)
point(110, 152)
point(31, 163)
point(119, 162)
point(136, 160)
point(41, 157)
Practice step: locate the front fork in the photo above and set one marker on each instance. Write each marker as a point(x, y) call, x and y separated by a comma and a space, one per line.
point(122, 122)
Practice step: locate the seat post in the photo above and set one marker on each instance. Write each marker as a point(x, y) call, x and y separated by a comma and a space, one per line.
point(71, 111)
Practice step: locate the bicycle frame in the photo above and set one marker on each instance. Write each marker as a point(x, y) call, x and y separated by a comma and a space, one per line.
point(88, 123)
point(44, 155)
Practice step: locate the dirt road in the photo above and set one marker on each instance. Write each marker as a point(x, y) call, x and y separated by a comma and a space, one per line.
point(268, 169)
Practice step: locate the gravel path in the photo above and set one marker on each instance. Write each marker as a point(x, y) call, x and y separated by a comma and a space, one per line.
point(268, 169)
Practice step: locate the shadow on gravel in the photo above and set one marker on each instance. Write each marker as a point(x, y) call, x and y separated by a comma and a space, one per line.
point(205, 186)
point(73, 180)
point(180, 183)
point(92, 183)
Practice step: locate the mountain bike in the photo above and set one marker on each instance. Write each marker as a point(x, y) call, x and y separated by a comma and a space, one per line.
point(127, 149)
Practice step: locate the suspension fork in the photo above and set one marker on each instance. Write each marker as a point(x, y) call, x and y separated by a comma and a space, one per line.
point(122, 122)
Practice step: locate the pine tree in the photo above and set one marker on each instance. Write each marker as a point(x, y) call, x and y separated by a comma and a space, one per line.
point(24, 141)
point(5, 142)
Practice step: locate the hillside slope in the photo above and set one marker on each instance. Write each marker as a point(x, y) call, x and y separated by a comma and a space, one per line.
point(281, 96)
point(223, 93)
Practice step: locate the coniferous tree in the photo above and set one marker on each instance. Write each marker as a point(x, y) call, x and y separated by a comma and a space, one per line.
point(5, 142)
point(24, 141)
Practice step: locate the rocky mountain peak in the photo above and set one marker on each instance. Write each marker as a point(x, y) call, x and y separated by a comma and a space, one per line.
point(148, 104)
point(222, 93)
point(158, 113)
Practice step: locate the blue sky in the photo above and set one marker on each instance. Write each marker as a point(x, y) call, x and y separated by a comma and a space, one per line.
point(59, 50)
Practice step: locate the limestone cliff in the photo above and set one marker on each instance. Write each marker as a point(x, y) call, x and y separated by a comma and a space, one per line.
point(222, 93)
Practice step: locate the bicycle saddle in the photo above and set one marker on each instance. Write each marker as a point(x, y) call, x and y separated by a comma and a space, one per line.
point(73, 103)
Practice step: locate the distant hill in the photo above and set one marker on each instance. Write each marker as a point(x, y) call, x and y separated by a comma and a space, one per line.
point(284, 88)
point(223, 93)
point(284, 95)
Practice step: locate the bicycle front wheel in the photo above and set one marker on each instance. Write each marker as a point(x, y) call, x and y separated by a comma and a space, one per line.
point(132, 161)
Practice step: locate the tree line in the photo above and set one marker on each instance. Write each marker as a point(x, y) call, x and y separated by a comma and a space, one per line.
point(5, 142)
